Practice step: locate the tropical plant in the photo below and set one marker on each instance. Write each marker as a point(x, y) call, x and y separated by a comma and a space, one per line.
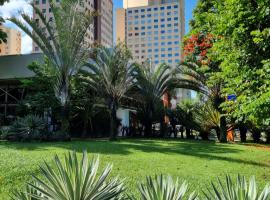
point(3, 35)
point(66, 49)
point(241, 190)
point(74, 180)
point(27, 128)
point(109, 73)
point(207, 118)
point(152, 83)
point(198, 77)
point(164, 188)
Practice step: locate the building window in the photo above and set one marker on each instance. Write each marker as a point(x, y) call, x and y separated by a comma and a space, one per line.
point(162, 55)
point(162, 8)
point(149, 15)
point(169, 7)
point(155, 26)
point(149, 50)
point(142, 10)
point(175, 30)
point(136, 11)
point(143, 33)
point(143, 16)
point(36, 49)
point(175, 6)
point(155, 9)
point(143, 27)
point(176, 18)
point(162, 20)
point(162, 32)
point(149, 9)
point(156, 20)
point(169, 25)
point(176, 42)
point(43, 1)
point(37, 1)
point(169, 55)
point(176, 54)
point(156, 56)
point(169, 19)
point(130, 12)
point(43, 10)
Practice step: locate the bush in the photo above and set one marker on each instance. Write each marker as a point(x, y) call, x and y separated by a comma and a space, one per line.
point(240, 190)
point(73, 179)
point(164, 188)
point(30, 127)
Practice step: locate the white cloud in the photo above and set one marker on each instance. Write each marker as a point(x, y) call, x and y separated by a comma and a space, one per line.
point(26, 44)
point(13, 8)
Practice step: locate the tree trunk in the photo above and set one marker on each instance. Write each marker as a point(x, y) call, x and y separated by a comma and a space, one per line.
point(188, 133)
point(113, 131)
point(65, 119)
point(218, 132)
point(148, 129)
point(85, 129)
point(256, 134)
point(243, 133)
point(223, 130)
point(267, 137)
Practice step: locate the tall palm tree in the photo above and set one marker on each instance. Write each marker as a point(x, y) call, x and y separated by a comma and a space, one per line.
point(109, 73)
point(62, 40)
point(152, 83)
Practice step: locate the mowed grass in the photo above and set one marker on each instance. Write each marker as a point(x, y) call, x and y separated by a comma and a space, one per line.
point(197, 162)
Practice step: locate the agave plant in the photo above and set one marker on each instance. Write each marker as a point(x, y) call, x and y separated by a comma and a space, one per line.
point(240, 190)
point(164, 188)
point(73, 180)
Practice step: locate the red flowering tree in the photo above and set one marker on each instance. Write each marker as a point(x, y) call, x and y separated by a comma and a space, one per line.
point(197, 46)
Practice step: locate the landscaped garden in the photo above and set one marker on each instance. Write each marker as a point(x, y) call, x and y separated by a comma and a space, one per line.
point(197, 162)
point(79, 88)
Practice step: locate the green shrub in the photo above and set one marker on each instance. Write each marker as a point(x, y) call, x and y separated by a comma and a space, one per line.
point(240, 190)
point(164, 188)
point(30, 127)
point(74, 180)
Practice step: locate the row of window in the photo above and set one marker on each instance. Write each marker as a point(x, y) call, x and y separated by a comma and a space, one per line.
point(161, 55)
point(152, 9)
point(155, 15)
point(155, 33)
point(155, 20)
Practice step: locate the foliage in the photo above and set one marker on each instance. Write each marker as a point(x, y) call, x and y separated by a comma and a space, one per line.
point(66, 49)
point(74, 179)
point(40, 94)
point(164, 188)
point(243, 52)
point(152, 82)
point(27, 128)
point(240, 190)
point(109, 74)
point(3, 35)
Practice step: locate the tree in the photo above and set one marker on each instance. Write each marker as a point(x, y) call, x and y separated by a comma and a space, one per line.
point(3, 35)
point(152, 83)
point(62, 40)
point(109, 73)
point(243, 51)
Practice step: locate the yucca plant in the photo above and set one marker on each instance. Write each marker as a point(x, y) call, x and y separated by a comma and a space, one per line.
point(73, 180)
point(241, 190)
point(164, 188)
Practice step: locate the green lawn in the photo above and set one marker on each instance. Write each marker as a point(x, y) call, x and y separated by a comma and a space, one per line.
point(197, 162)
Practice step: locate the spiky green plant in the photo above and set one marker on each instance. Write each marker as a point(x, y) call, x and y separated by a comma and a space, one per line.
point(241, 190)
point(73, 180)
point(164, 188)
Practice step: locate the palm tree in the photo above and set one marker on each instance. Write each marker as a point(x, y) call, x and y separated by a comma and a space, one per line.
point(189, 75)
point(62, 40)
point(152, 83)
point(109, 73)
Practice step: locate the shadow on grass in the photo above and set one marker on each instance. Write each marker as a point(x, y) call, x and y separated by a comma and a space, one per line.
point(201, 149)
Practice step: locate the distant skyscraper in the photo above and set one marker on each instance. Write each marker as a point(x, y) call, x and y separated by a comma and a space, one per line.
point(13, 44)
point(101, 32)
point(153, 30)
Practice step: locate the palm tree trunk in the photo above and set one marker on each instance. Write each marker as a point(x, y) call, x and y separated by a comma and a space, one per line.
point(65, 118)
point(223, 130)
point(85, 128)
point(113, 131)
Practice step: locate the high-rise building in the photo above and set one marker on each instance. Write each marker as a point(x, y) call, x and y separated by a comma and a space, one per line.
point(153, 31)
point(13, 44)
point(102, 30)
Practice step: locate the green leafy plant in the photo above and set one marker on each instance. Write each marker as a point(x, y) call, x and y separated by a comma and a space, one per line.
point(241, 190)
point(73, 180)
point(164, 188)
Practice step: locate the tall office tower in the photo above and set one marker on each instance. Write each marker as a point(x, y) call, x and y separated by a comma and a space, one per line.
point(13, 44)
point(153, 31)
point(102, 30)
